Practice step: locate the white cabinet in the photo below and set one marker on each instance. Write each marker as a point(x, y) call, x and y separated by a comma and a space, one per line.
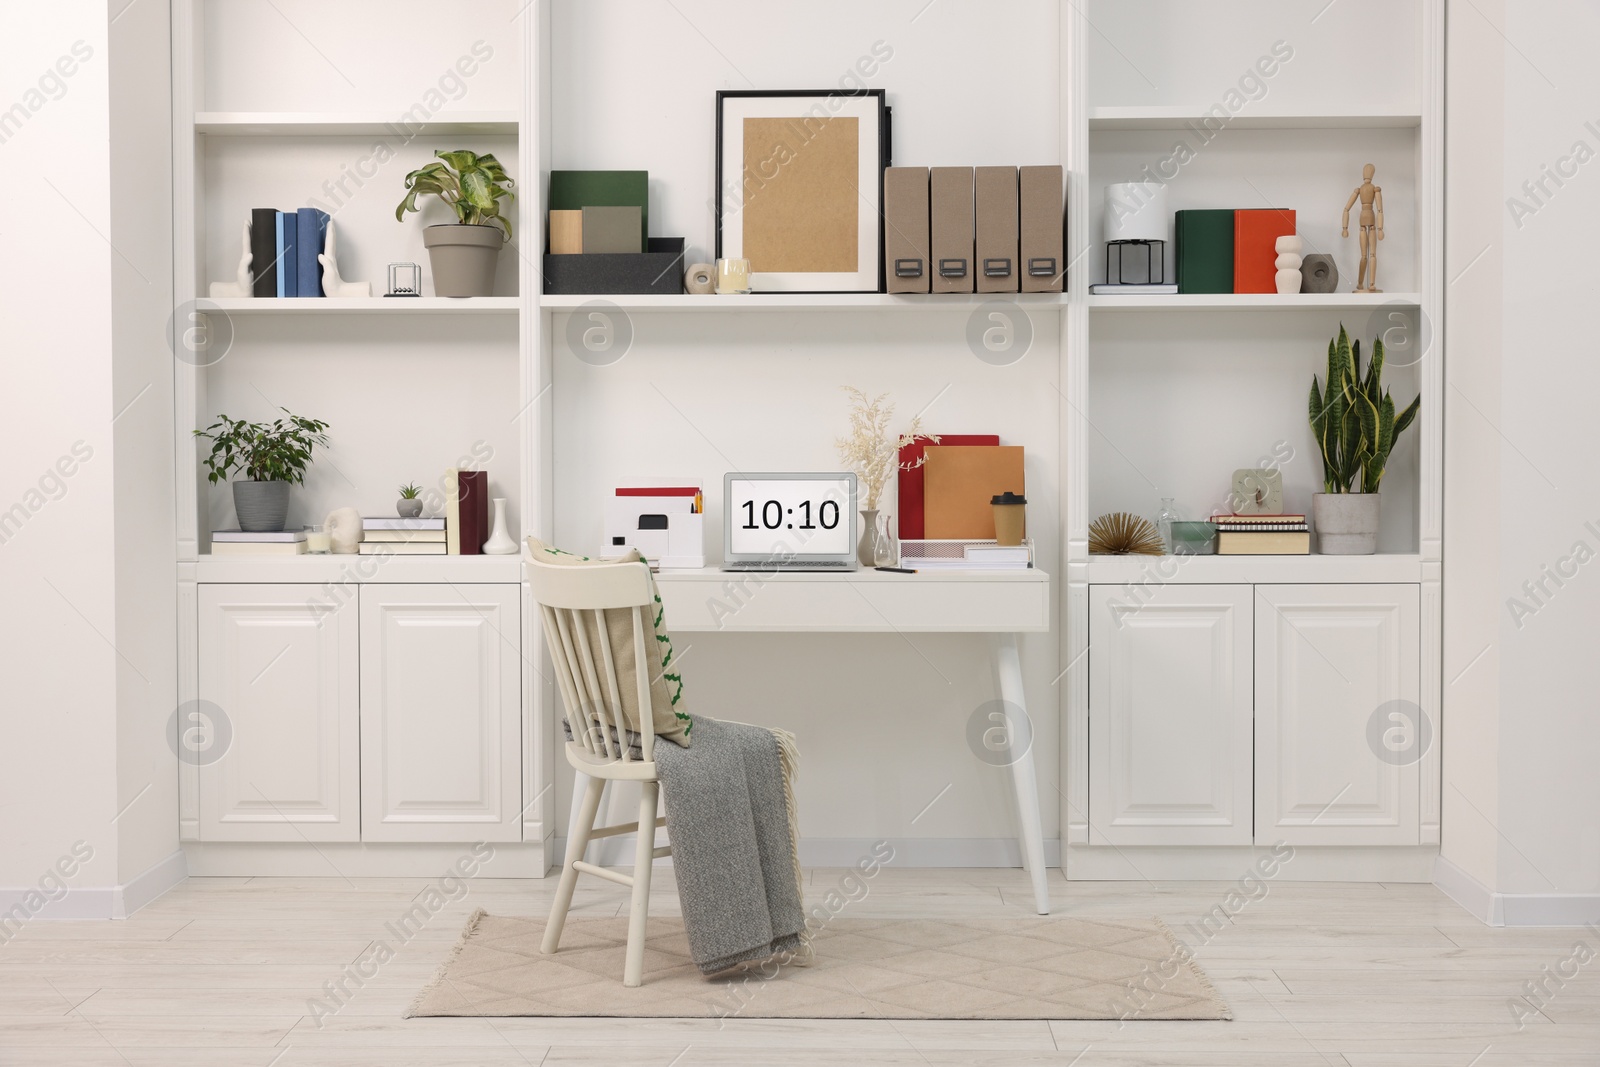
point(1169, 705)
point(279, 664)
point(1333, 664)
point(1238, 714)
point(440, 713)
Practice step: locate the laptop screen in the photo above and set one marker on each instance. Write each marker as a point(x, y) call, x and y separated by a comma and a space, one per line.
point(801, 516)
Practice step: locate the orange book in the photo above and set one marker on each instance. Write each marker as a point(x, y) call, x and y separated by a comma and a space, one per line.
point(1255, 235)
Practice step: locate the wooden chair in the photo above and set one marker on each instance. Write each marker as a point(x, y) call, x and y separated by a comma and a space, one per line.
point(598, 751)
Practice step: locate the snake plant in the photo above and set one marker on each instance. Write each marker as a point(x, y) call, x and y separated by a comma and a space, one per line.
point(471, 184)
point(1353, 418)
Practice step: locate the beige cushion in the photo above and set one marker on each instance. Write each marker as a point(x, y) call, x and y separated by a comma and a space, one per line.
point(668, 715)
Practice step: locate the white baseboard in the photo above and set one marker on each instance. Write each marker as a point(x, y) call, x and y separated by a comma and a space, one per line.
point(1227, 863)
point(152, 884)
point(848, 851)
point(1515, 909)
point(103, 902)
point(512, 859)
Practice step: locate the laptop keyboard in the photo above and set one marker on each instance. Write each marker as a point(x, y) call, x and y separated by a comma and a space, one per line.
point(794, 565)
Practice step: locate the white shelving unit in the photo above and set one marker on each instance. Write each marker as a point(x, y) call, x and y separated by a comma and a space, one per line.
point(1168, 402)
point(1113, 406)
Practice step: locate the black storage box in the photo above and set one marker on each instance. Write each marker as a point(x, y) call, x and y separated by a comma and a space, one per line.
point(658, 271)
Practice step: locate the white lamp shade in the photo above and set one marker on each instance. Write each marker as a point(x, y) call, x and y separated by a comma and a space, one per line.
point(1136, 211)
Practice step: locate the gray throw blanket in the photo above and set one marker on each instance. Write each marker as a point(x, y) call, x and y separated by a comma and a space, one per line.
point(731, 849)
point(732, 852)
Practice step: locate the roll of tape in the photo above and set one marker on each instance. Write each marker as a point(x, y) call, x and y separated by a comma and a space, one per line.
point(701, 278)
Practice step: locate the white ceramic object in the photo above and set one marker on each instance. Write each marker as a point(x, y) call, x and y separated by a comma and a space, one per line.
point(1346, 523)
point(500, 542)
point(344, 531)
point(332, 284)
point(1289, 243)
point(700, 279)
point(1288, 262)
point(242, 284)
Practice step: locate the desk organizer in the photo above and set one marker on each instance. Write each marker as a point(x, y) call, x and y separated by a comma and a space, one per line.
point(657, 271)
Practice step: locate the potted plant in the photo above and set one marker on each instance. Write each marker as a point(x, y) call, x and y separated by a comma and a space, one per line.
point(1355, 424)
point(463, 254)
point(409, 506)
point(273, 455)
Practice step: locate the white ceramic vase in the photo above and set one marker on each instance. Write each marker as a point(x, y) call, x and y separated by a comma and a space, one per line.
point(1288, 264)
point(500, 542)
point(1346, 523)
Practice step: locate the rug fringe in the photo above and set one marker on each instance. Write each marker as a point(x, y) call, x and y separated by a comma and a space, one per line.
point(477, 916)
point(1194, 968)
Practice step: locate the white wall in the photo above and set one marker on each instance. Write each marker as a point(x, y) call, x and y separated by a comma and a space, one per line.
point(85, 563)
point(58, 761)
point(1521, 796)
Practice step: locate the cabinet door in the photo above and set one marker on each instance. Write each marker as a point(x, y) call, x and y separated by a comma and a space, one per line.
point(441, 709)
point(1169, 715)
point(279, 663)
point(1328, 658)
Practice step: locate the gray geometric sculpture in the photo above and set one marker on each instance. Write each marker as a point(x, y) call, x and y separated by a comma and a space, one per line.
point(1318, 274)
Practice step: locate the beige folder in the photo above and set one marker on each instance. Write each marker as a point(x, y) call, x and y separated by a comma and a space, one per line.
point(958, 484)
point(905, 229)
point(566, 233)
point(1042, 195)
point(995, 229)
point(950, 228)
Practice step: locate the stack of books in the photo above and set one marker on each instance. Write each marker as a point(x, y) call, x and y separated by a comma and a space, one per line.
point(951, 555)
point(1262, 535)
point(248, 543)
point(283, 251)
point(403, 537)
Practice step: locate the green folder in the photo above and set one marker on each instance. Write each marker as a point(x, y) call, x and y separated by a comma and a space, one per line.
point(1204, 250)
point(574, 190)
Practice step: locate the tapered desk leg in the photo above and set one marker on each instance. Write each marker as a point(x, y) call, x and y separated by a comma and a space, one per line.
point(1008, 666)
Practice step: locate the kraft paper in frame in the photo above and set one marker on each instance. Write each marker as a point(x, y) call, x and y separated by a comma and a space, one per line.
point(805, 218)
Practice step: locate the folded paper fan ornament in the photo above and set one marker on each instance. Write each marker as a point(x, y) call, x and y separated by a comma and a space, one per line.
point(1122, 534)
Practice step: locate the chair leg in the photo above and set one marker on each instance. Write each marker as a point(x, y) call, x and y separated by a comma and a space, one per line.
point(644, 858)
point(577, 843)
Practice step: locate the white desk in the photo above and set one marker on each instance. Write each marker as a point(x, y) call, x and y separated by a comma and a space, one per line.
point(1000, 603)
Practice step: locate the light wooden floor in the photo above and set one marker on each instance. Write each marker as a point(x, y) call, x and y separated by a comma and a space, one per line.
point(219, 972)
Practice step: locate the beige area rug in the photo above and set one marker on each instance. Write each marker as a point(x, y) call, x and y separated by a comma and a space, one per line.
point(1045, 968)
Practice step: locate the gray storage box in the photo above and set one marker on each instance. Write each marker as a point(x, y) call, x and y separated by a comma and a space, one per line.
point(658, 271)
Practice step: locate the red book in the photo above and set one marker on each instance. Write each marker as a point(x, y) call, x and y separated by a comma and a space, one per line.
point(1255, 235)
point(473, 488)
point(910, 491)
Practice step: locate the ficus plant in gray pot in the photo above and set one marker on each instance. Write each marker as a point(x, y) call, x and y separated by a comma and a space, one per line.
point(272, 456)
point(1353, 419)
point(463, 254)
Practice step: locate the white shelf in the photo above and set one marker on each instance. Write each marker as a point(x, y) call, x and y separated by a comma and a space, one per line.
point(763, 302)
point(316, 570)
point(1154, 571)
point(376, 305)
point(1250, 301)
point(352, 123)
point(1180, 118)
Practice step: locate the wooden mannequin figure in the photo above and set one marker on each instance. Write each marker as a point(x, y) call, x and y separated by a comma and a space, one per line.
point(1371, 197)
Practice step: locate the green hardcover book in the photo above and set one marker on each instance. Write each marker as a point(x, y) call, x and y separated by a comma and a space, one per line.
point(574, 190)
point(1204, 250)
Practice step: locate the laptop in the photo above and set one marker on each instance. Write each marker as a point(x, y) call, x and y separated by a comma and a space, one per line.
point(789, 522)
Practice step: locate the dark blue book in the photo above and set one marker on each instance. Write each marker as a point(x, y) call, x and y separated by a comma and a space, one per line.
point(311, 232)
point(289, 255)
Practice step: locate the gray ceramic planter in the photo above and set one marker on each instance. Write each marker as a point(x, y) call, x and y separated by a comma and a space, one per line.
point(408, 509)
point(263, 507)
point(463, 258)
point(1347, 523)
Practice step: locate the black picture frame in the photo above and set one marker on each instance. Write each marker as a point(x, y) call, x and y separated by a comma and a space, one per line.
point(882, 146)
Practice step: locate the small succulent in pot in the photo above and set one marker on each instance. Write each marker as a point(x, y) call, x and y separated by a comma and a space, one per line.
point(409, 506)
